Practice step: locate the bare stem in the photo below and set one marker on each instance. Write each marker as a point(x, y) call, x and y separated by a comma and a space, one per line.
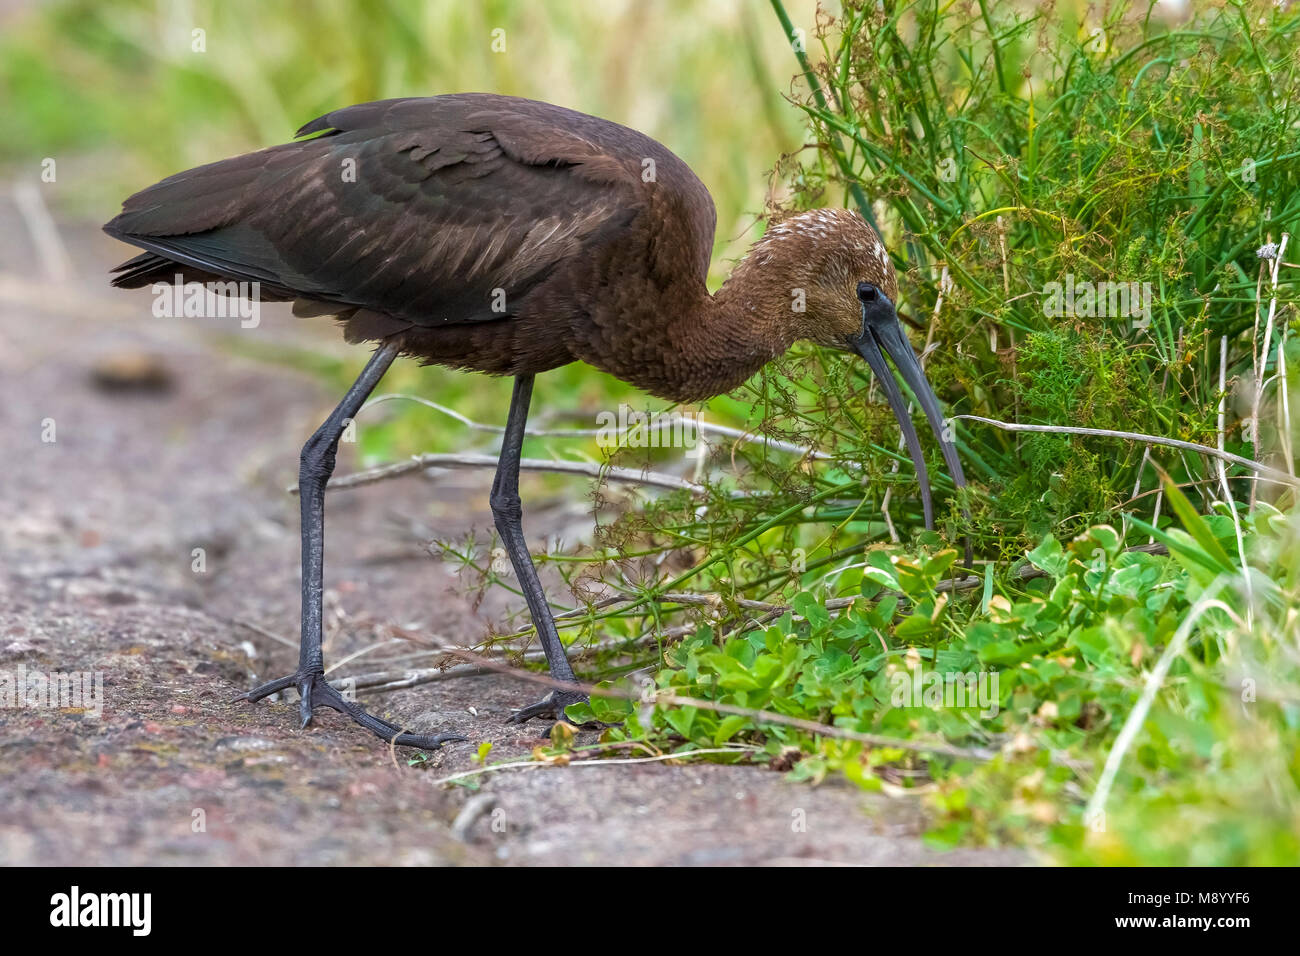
point(590, 470)
point(1275, 474)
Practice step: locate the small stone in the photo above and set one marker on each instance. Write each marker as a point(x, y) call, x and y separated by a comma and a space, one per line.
point(131, 372)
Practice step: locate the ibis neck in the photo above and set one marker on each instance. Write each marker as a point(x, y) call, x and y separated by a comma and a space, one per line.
point(715, 342)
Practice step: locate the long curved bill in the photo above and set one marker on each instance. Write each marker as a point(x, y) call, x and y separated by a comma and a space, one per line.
point(887, 337)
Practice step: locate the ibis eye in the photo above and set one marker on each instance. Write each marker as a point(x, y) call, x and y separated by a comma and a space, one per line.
point(867, 292)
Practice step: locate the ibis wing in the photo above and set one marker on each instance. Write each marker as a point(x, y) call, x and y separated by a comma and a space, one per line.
point(448, 209)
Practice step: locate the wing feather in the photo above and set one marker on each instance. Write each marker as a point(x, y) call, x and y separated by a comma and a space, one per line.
point(417, 210)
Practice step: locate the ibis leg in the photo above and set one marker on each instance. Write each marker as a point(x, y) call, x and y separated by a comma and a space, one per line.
point(315, 467)
point(507, 512)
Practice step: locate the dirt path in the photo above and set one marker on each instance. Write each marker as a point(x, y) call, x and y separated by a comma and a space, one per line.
point(97, 536)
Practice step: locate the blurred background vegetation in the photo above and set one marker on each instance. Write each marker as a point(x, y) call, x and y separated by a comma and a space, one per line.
point(117, 94)
point(121, 84)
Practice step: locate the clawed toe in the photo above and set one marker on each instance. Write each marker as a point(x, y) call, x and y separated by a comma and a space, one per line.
point(551, 707)
point(314, 691)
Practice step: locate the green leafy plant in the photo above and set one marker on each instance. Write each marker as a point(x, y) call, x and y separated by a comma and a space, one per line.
point(1125, 626)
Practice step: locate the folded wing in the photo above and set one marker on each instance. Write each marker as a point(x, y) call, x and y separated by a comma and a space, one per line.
point(426, 211)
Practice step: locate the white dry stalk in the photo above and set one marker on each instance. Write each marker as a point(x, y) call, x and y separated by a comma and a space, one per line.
point(44, 232)
point(369, 648)
point(1155, 512)
point(1285, 425)
point(1223, 479)
point(1011, 332)
point(1160, 493)
point(1257, 366)
point(1097, 804)
point(1137, 487)
point(263, 632)
point(422, 462)
point(661, 423)
point(612, 473)
point(382, 682)
point(1261, 363)
point(592, 762)
point(701, 451)
point(1279, 476)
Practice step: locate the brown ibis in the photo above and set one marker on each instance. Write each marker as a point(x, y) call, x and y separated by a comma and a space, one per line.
point(502, 235)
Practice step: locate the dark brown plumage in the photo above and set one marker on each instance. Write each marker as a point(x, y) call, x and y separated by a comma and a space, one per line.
point(507, 236)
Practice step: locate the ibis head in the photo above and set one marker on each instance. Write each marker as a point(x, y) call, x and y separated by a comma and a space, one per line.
point(831, 281)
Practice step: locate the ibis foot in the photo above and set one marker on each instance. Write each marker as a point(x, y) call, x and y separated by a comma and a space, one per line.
point(550, 707)
point(314, 691)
